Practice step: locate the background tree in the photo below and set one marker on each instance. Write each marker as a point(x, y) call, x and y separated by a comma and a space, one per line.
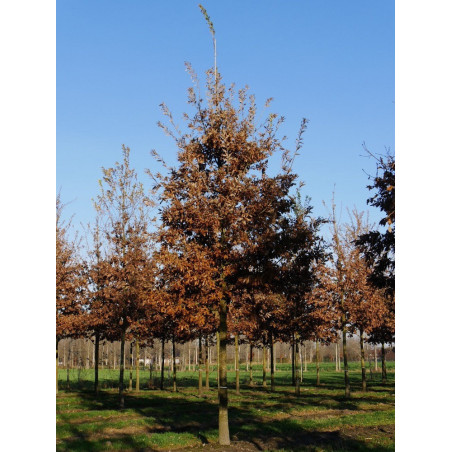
point(69, 282)
point(379, 247)
point(126, 208)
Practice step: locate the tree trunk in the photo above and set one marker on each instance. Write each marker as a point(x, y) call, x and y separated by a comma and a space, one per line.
point(337, 357)
point(317, 361)
point(301, 363)
point(237, 365)
point(375, 355)
point(295, 364)
point(121, 369)
point(68, 364)
point(305, 358)
point(96, 363)
point(137, 366)
point(248, 359)
point(251, 365)
point(57, 365)
point(383, 363)
point(264, 366)
point(189, 358)
point(294, 348)
point(218, 359)
point(206, 362)
point(223, 423)
point(272, 364)
point(200, 367)
point(344, 351)
point(162, 364)
point(174, 366)
point(131, 367)
point(363, 361)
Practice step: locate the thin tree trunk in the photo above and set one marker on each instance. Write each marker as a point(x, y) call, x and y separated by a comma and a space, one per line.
point(223, 423)
point(363, 361)
point(200, 367)
point(383, 363)
point(189, 358)
point(162, 364)
point(206, 362)
point(337, 357)
point(151, 366)
point(301, 363)
point(96, 363)
point(57, 365)
point(294, 348)
point(137, 365)
point(248, 359)
point(264, 366)
point(272, 364)
point(295, 364)
point(131, 367)
point(344, 351)
point(101, 356)
point(317, 361)
point(68, 364)
point(218, 359)
point(174, 366)
point(251, 365)
point(237, 365)
point(121, 369)
point(305, 358)
point(375, 355)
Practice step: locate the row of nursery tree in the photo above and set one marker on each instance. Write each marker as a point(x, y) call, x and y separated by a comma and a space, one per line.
point(162, 363)
point(233, 250)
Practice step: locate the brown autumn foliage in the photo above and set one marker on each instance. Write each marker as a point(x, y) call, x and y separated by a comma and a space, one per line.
point(128, 278)
point(69, 279)
point(218, 201)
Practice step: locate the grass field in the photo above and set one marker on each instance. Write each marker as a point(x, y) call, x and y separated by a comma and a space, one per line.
point(321, 419)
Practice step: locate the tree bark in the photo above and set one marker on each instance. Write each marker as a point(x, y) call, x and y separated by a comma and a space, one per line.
point(68, 364)
point(294, 348)
point(305, 358)
point(206, 362)
point(317, 361)
point(301, 363)
point(121, 369)
point(344, 351)
point(295, 364)
point(174, 366)
point(96, 363)
point(218, 359)
point(162, 364)
point(137, 365)
point(223, 423)
point(337, 357)
point(264, 366)
point(251, 365)
point(57, 365)
point(131, 367)
point(237, 365)
point(200, 367)
point(363, 361)
point(272, 364)
point(375, 356)
point(189, 358)
point(383, 363)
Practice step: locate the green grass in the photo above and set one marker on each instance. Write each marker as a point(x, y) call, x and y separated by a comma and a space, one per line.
point(321, 419)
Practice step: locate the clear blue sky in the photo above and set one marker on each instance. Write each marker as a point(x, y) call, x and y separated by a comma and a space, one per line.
point(329, 61)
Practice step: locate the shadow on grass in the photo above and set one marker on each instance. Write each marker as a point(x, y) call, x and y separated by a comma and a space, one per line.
point(174, 413)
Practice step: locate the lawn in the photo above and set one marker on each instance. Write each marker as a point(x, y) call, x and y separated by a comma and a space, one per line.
point(321, 419)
